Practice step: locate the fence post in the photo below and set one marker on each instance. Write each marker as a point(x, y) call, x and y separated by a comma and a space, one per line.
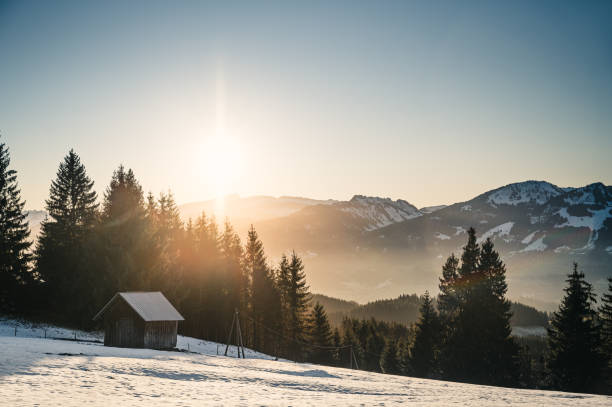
point(15, 330)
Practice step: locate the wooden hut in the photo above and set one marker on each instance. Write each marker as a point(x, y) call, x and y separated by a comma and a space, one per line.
point(140, 320)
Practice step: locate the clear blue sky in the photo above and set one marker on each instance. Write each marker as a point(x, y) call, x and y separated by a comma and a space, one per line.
point(433, 102)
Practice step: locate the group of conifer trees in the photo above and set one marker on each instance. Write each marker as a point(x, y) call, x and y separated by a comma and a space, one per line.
point(86, 252)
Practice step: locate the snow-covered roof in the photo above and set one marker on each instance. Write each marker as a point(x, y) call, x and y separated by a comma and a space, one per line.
point(151, 306)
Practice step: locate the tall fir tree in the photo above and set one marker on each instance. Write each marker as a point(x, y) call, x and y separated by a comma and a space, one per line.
point(574, 359)
point(72, 214)
point(295, 297)
point(448, 299)
point(320, 335)
point(122, 253)
point(427, 341)
point(605, 316)
point(389, 360)
point(15, 256)
point(478, 347)
point(265, 297)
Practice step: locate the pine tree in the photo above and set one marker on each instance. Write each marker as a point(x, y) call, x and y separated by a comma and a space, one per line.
point(295, 298)
point(605, 316)
point(573, 338)
point(478, 346)
point(448, 300)
point(467, 272)
point(320, 335)
point(72, 211)
point(15, 273)
point(265, 298)
point(122, 254)
point(389, 360)
point(427, 340)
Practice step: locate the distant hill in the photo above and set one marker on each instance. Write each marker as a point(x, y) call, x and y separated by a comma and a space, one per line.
point(405, 310)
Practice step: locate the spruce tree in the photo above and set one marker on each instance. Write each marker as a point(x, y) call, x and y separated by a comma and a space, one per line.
point(15, 273)
point(427, 340)
point(478, 347)
point(72, 213)
point(574, 358)
point(448, 299)
point(605, 316)
point(265, 298)
point(123, 254)
point(389, 360)
point(237, 282)
point(295, 296)
point(320, 335)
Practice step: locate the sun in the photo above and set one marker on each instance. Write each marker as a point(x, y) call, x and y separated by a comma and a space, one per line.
point(223, 160)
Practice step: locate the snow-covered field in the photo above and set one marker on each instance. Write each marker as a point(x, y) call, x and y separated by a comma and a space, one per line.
point(48, 372)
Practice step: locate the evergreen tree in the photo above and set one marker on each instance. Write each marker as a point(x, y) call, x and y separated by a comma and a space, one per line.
point(448, 300)
point(605, 316)
point(427, 340)
point(237, 281)
point(122, 252)
point(72, 211)
point(389, 360)
point(15, 273)
point(478, 346)
point(295, 297)
point(320, 335)
point(573, 338)
point(265, 298)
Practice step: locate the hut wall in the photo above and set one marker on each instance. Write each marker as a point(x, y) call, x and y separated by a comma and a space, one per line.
point(160, 334)
point(123, 327)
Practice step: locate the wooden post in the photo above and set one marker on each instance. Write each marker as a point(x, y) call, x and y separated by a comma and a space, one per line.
point(229, 338)
point(239, 333)
point(15, 330)
point(351, 356)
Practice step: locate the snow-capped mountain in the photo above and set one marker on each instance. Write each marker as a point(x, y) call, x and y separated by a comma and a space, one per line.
point(538, 192)
point(378, 212)
point(370, 247)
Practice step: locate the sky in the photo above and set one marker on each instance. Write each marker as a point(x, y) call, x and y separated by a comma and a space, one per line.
point(432, 102)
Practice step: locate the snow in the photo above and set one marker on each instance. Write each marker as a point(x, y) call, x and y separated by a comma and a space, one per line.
point(151, 306)
point(562, 249)
point(459, 230)
point(441, 236)
point(466, 208)
point(379, 212)
point(588, 195)
point(498, 231)
point(432, 209)
point(523, 192)
point(36, 371)
point(536, 246)
point(609, 249)
point(594, 223)
point(529, 237)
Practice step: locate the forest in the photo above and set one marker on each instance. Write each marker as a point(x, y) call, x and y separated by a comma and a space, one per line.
point(91, 247)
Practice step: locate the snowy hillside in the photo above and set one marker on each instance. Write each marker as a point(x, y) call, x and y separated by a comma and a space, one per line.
point(379, 212)
point(48, 372)
point(523, 192)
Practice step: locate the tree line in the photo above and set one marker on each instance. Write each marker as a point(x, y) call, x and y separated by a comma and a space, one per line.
point(89, 250)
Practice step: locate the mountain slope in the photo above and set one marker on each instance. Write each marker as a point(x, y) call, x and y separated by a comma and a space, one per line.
point(38, 371)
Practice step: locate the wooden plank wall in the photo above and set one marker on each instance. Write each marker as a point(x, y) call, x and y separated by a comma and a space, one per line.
point(160, 334)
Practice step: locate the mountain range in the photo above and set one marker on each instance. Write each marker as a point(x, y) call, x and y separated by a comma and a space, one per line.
point(369, 248)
